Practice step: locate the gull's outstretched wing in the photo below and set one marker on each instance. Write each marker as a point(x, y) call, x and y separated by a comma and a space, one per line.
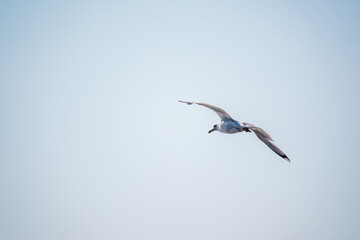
point(265, 138)
point(222, 114)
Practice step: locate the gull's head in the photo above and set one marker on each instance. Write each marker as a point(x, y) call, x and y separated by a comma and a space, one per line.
point(215, 128)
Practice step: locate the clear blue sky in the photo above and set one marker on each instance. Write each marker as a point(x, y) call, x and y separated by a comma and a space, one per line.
point(94, 145)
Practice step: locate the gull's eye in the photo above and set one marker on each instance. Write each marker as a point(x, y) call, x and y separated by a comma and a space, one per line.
point(215, 126)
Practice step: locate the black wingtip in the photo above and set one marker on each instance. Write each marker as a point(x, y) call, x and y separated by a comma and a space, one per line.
point(188, 103)
point(286, 158)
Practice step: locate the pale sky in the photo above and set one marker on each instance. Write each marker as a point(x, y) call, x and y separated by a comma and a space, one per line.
point(94, 145)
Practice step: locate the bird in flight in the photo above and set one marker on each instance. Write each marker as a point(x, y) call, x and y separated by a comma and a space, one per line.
point(228, 125)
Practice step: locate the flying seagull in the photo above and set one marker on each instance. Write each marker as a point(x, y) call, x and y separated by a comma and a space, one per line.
point(228, 125)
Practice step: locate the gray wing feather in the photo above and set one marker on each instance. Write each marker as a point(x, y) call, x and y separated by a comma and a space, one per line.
point(265, 138)
point(222, 114)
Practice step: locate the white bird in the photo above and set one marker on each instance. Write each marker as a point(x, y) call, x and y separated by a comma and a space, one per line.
point(228, 125)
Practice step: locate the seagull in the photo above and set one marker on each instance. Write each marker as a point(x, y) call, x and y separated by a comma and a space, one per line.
point(228, 125)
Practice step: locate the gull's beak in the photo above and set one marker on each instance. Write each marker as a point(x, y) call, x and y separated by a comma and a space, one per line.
point(211, 130)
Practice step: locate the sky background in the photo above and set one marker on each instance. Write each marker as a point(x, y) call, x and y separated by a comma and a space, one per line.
point(94, 145)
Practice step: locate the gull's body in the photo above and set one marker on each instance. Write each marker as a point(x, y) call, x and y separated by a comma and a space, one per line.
point(228, 125)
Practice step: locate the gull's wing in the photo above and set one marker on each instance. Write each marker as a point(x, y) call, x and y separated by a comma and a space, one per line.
point(265, 138)
point(222, 114)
